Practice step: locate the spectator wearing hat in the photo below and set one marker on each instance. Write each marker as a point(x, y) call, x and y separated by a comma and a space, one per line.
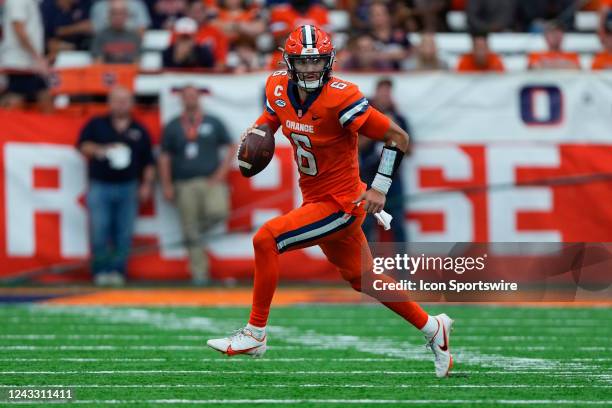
point(603, 60)
point(193, 174)
point(117, 44)
point(185, 52)
point(555, 57)
point(481, 59)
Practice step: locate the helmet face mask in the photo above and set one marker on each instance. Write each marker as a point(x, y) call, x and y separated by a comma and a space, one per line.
point(309, 56)
point(309, 72)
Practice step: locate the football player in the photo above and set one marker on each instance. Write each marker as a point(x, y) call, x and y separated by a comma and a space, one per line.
point(321, 115)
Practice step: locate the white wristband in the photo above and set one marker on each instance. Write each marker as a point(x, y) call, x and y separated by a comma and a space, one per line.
point(381, 183)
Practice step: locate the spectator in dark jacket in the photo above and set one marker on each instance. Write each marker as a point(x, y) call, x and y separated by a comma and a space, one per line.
point(121, 173)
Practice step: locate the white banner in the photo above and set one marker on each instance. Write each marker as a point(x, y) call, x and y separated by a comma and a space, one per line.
point(457, 108)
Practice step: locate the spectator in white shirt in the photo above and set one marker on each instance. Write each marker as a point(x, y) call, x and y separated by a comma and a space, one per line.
point(22, 55)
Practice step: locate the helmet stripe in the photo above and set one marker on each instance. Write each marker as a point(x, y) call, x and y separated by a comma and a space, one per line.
point(308, 36)
point(304, 36)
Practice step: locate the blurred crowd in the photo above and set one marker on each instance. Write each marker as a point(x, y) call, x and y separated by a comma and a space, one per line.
point(241, 35)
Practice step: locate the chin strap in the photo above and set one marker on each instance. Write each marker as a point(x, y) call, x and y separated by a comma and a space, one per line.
point(390, 160)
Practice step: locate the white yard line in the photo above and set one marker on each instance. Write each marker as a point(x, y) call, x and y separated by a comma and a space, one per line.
point(299, 372)
point(168, 321)
point(333, 401)
point(333, 386)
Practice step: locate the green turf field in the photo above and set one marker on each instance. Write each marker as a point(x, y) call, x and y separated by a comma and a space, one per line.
point(318, 355)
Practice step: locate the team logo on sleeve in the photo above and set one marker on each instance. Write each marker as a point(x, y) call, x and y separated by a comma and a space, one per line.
point(280, 103)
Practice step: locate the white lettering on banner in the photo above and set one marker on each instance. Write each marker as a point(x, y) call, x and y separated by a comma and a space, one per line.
point(299, 127)
point(504, 205)
point(456, 207)
point(23, 201)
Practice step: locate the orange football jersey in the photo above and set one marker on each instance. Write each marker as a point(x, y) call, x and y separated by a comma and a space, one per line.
point(323, 133)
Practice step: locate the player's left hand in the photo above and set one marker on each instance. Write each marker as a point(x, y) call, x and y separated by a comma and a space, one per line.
point(374, 201)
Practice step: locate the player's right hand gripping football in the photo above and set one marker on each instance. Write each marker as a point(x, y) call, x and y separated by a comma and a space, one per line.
point(374, 201)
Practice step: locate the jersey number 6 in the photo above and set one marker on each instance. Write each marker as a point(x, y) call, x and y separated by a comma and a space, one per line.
point(306, 160)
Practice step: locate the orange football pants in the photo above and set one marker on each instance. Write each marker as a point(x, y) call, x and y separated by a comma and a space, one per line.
point(340, 237)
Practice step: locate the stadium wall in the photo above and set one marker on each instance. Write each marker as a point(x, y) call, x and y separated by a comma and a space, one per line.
point(497, 158)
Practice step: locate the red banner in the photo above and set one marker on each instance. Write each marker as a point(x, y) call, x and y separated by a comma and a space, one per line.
point(484, 192)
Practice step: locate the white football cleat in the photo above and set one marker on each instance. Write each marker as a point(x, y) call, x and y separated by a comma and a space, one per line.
point(440, 345)
point(240, 342)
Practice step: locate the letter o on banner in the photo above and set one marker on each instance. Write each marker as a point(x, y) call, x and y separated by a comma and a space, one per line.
point(541, 105)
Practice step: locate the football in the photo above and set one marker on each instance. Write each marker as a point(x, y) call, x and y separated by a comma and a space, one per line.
point(256, 150)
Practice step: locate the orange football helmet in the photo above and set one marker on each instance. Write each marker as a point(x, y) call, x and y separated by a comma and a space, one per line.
point(309, 43)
